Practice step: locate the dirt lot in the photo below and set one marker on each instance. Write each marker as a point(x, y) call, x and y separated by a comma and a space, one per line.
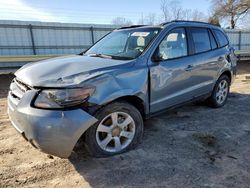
point(194, 146)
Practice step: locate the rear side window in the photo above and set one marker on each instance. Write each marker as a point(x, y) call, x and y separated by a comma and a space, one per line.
point(201, 39)
point(221, 38)
point(212, 40)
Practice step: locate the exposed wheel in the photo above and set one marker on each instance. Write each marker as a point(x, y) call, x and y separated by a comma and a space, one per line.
point(119, 129)
point(220, 92)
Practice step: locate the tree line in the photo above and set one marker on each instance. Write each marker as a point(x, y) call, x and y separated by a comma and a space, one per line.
point(222, 12)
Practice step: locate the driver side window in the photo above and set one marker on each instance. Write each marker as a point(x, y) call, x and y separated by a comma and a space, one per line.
point(174, 45)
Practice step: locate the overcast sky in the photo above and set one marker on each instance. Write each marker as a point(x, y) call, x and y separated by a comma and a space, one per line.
point(92, 11)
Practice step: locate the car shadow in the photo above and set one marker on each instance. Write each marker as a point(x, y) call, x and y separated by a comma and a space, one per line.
point(188, 146)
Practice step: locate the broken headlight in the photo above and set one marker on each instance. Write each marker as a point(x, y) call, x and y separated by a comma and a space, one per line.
point(61, 98)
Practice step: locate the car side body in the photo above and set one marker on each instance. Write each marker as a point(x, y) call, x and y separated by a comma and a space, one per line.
point(149, 82)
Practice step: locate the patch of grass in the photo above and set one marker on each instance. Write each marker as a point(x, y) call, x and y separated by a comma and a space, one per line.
point(206, 139)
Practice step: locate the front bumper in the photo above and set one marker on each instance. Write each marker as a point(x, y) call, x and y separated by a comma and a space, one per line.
point(53, 132)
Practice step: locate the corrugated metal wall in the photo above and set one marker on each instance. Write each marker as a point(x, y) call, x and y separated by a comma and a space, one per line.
point(42, 38)
point(239, 39)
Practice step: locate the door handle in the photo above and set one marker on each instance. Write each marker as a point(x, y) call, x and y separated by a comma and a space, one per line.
point(189, 68)
point(221, 58)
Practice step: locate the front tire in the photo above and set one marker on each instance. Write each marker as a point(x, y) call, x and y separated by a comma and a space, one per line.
point(119, 129)
point(220, 92)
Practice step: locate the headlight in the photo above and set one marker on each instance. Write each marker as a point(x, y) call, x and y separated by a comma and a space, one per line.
point(60, 98)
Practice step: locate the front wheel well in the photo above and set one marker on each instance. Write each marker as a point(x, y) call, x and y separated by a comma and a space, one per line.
point(136, 102)
point(228, 74)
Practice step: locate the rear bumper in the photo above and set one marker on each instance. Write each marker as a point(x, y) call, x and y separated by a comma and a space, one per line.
point(53, 132)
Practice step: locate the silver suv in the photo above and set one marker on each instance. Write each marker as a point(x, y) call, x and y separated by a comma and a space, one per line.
point(102, 95)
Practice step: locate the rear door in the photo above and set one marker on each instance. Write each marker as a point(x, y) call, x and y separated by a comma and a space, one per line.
point(226, 51)
point(204, 70)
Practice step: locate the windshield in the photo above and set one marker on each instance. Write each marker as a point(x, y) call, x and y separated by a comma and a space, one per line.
point(123, 44)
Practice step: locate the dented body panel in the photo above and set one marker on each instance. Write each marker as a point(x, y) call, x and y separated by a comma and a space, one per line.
point(112, 79)
point(57, 131)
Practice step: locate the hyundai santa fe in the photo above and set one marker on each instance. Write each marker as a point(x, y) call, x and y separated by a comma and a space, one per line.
point(103, 95)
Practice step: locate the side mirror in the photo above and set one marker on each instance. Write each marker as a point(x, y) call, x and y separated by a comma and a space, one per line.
point(157, 57)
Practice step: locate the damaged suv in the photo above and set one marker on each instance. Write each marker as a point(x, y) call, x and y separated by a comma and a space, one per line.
point(103, 95)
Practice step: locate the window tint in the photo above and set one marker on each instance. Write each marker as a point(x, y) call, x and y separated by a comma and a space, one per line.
point(174, 45)
point(201, 39)
point(222, 39)
point(212, 40)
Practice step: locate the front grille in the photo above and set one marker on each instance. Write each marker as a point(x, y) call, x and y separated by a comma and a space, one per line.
point(17, 90)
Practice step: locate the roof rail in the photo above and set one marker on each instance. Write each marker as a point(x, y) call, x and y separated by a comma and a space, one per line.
point(131, 26)
point(187, 21)
point(164, 23)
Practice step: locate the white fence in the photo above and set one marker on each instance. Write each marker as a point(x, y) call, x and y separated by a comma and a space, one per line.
point(239, 39)
point(41, 38)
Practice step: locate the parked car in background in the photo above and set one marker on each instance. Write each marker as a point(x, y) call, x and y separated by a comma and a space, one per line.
point(103, 95)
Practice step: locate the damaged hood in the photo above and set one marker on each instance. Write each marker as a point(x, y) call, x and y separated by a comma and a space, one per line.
point(66, 71)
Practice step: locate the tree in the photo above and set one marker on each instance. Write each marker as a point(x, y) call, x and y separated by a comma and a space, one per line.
point(197, 15)
point(171, 10)
point(165, 10)
point(121, 21)
point(194, 15)
point(244, 23)
point(214, 20)
point(151, 19)
point(176, 10)
point(232, 9)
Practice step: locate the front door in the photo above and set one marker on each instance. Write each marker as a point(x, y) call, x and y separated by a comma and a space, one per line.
point(170, 78)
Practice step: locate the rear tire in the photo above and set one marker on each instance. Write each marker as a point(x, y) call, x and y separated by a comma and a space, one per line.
point(119, 129)
point(220, 92)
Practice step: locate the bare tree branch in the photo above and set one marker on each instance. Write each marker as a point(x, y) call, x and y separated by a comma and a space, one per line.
point(172, 10)
point(232, 9)
point(121, 21)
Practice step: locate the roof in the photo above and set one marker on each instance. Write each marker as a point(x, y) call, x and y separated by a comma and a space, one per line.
point(140, 26)
point(189, 23)
point(193, 23)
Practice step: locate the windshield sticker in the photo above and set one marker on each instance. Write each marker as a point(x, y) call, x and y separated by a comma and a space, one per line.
point(140, 34)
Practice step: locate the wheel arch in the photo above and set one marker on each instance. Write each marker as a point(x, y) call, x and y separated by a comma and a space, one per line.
point(227, 73)
point(135, 101)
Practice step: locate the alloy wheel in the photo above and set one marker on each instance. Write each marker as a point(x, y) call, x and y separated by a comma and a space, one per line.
point(222, 92)
point(115, 132)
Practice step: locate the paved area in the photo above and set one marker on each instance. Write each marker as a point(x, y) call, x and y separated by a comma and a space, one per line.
point(193, 146)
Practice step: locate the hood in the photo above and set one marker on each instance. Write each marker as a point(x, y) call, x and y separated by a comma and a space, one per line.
point(66, 71)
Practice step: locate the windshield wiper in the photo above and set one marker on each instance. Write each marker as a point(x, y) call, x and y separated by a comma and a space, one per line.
point(100, 55)
point(121, 57)
point(109, 56)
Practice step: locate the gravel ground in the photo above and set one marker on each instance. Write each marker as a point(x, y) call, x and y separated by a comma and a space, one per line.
point(193, 146)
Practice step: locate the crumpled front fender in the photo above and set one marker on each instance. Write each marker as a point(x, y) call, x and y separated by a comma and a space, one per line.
point(114, 85)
